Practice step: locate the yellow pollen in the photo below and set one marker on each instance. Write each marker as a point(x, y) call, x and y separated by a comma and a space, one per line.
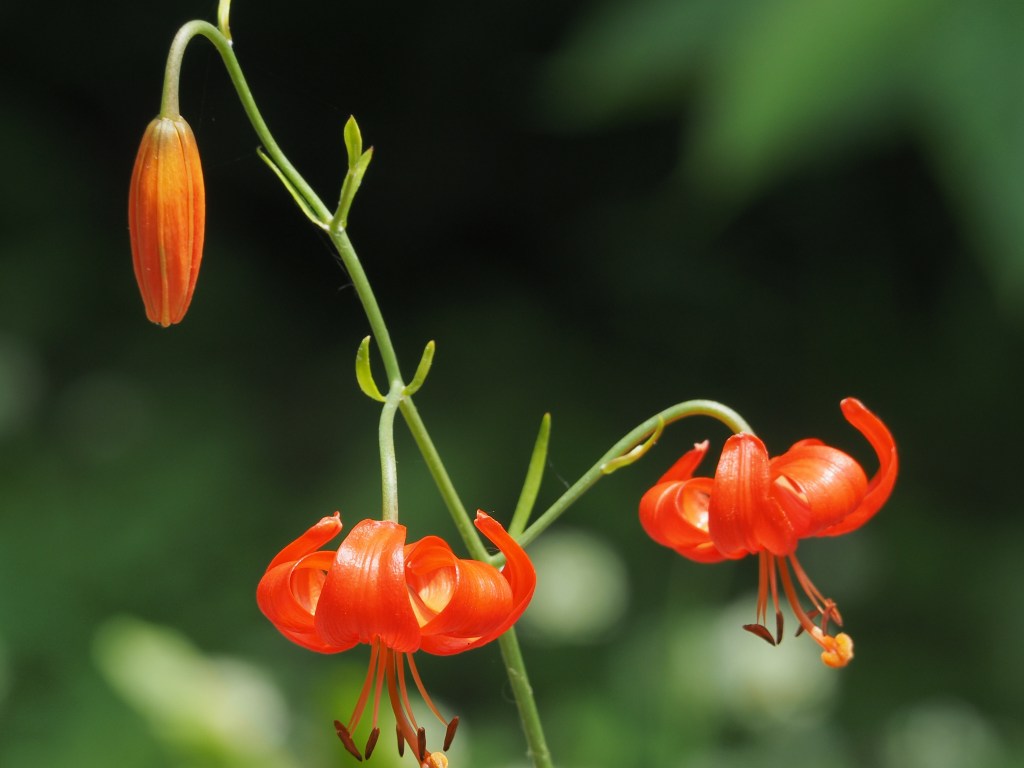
point(436, 760)
point(837, 651)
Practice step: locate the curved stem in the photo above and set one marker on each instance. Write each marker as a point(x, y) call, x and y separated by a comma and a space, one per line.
point(457, 510)
point(589, 479)
point(388, 459)
point(379, 328)
point(169, 104)
point(371, 308)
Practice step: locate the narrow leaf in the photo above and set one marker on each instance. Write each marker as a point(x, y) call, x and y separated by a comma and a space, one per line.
point(296, 196)
point(531, 485)
point(363, 373)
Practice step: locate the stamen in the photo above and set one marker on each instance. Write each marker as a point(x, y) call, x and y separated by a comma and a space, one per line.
point(400, 659)
point(817, 599)
point(449, 735)
point(766, 584)
point(765, 563)
point(365, 692)
point(421, 743)
point(401, 740)
point(371, 742)
point(383, 659)
point(773, 581)
point(794, 602)
point(346, 739)
point(838, 650)
point(761, 631)
point(423, 691)
point(406, 730)
point(435, 760)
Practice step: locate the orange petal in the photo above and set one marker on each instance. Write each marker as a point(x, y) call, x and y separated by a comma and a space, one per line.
point(816, 486)
point(310, 541)
point(687, 463)
point(470, 597)
point(365, 595)
point(742, 519)
point(675, 514)
point(881, 485)
point(289, 590)
point(288, 594)
point(481, 604)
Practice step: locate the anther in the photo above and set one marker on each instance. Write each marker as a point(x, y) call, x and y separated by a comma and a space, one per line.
point(421, 744)
point(778, 626)
point(761, 631)
point(346, 739)
point(449, 735)
point(401, 741)
point(837, 651)
point(371, 742)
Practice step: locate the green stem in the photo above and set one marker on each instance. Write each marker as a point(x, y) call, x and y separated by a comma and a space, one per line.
point(169, 107)
point(457, 510)
point(515, 667)
point(388, 459)
point(379, 328)
point(723, 413)
point(371, 308)
point(169, 103)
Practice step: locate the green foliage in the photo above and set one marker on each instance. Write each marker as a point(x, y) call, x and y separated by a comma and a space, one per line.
point(774, 203)
point(776, 86)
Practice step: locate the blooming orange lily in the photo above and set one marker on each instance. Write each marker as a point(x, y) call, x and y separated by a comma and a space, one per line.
point(397, 598)
point(764, 506)
point(166, 218)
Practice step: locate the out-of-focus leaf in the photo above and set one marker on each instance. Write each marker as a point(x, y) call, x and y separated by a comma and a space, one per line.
point(971, 86)
point(630, 58)
point(217, 711)
point(798, 76)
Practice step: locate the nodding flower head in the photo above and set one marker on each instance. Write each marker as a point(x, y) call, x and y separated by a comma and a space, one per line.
point(397, 598)
point(166, 218)
point(764, 506)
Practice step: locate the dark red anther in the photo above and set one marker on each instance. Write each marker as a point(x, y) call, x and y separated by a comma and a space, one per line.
point(401, 741)
point(346, 739)
point(421, 744)
point(778, 627)
point(761, 631)
point(371, 742)
point(449, 735)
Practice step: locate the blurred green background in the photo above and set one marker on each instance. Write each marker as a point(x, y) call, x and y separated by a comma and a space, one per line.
point(597, 209)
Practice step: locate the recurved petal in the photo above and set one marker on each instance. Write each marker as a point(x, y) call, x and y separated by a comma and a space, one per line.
point(816, 486)
point(288, 594)
point(463, 599)
point(881, 485)
point(683, 469)
point(481, 605)
point(365, 594)
point(741, 517)
point(675, 514)
point(310, 541)
point(518, 571)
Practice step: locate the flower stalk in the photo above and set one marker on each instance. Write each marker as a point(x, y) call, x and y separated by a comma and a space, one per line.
point(306, 591)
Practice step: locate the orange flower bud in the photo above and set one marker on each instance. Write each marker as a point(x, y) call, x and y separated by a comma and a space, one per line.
point(166, 217)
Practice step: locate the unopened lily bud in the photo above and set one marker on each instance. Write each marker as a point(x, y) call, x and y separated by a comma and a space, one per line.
point(166, 218)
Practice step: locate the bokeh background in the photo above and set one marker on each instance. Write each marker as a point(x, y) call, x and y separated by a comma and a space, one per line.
point(596, 209)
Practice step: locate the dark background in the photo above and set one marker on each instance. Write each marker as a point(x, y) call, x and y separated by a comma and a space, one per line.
point(596, 209)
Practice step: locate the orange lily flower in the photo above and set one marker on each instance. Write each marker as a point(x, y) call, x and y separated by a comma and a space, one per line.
point(397, 598)
point(763, 506)
point(166, 218)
